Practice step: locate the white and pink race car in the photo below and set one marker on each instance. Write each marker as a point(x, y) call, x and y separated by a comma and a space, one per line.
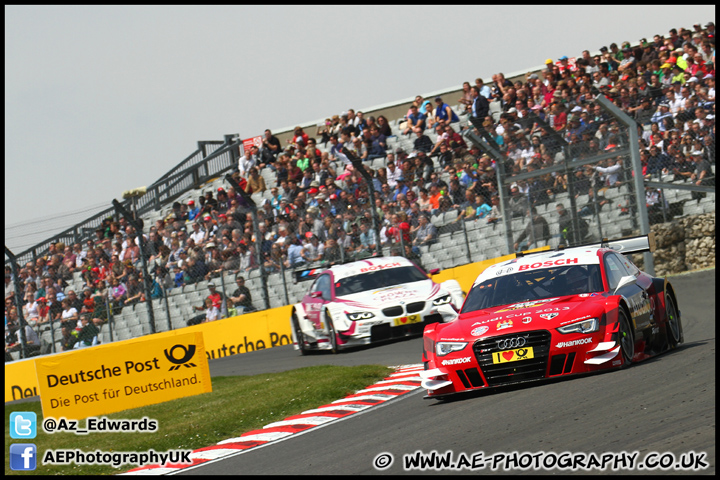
point(368, 301)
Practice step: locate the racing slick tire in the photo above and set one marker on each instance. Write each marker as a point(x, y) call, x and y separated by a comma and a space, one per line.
point(299, 336)
point(625, 338)
point(672, 326)
point(332, 334)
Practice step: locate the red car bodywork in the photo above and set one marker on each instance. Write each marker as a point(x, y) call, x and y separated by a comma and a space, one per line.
point(498, 338)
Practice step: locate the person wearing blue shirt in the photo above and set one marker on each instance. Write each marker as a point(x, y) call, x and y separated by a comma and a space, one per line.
point(415, 119)
point(483, 209)
point(444, 112)
point(193, 211)
point(294, 253)
point(400, 188)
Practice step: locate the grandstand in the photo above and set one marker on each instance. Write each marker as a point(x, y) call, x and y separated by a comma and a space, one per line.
point(546, 139)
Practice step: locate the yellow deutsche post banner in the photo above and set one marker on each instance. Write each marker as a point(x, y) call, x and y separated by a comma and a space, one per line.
point(20, 380)
point(131, 374)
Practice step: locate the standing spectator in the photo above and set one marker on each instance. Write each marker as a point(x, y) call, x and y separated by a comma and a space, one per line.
point(567, 229)
point(702, 176)
point(480, 107)
point(536, 230)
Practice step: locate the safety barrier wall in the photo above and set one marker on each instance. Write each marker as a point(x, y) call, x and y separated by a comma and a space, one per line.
point(231, 336)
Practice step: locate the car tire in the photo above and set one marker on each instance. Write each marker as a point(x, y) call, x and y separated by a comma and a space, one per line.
point(332, 334)
point(626, 339)
point(672, 322)
point(299, 335)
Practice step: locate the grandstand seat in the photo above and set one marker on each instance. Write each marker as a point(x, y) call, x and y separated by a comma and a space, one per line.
point(122, 334)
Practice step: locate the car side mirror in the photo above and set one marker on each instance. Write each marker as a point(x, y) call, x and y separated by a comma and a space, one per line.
point(625, 281)
point(434, 271)
point(316, 294)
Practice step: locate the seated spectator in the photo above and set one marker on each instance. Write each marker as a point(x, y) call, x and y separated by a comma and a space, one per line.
point(312, 249)
point(69, 313)
point(69, 336)
point(13, 337)
point(271, 148)
point(134, 291)
point(414, 119)
point(241, 297)
point(425, 233)
point(495, 214)
point(422, 142)
point(483, 210)
point(87, 334)
point(444, 112)
point(212, 312)
point(255, 183)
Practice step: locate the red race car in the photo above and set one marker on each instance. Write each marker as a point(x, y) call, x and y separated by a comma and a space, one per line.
point(552, 314)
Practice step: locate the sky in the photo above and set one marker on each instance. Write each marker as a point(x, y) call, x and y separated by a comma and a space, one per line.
point(103, 99)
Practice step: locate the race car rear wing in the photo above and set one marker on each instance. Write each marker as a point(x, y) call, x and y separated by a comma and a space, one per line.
point(307, 274)
point(638, 244)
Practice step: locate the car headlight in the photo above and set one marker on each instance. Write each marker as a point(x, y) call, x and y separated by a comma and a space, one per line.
point(360, 316)
point(445, 299)
point(443, 348)
point(584, 326)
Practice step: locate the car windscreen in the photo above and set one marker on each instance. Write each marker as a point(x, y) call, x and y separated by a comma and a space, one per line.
point(378, 279)
point(533, 284)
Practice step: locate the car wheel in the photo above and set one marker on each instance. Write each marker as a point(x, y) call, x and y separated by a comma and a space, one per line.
point(672, 320)
point(299, 336)
point(331, 333)
point(626, 338)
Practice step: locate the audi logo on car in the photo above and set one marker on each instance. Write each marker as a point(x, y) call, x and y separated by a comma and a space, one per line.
point(508, 343)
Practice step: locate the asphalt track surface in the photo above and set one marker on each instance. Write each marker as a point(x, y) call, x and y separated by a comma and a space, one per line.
point(666, 404)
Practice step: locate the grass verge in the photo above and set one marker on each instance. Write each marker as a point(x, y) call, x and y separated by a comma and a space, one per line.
point(235, 406)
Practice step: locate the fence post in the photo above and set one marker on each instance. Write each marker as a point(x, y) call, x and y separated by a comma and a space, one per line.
point(467, 241)
point(649, 263)
point(167, 305)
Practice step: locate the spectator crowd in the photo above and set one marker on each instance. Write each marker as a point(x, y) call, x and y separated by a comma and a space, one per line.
point(319, 208)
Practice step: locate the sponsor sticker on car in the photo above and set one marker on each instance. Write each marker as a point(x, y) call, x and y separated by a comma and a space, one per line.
point(513, 355)
point(574, 343)
point(530, 304)
point(476, 332)
point(399, 322)
point(456, 361)
point(504, 324)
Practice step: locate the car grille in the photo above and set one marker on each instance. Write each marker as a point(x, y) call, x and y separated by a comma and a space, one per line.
point(395, 311)
point(415, 307)
point(513, 372)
